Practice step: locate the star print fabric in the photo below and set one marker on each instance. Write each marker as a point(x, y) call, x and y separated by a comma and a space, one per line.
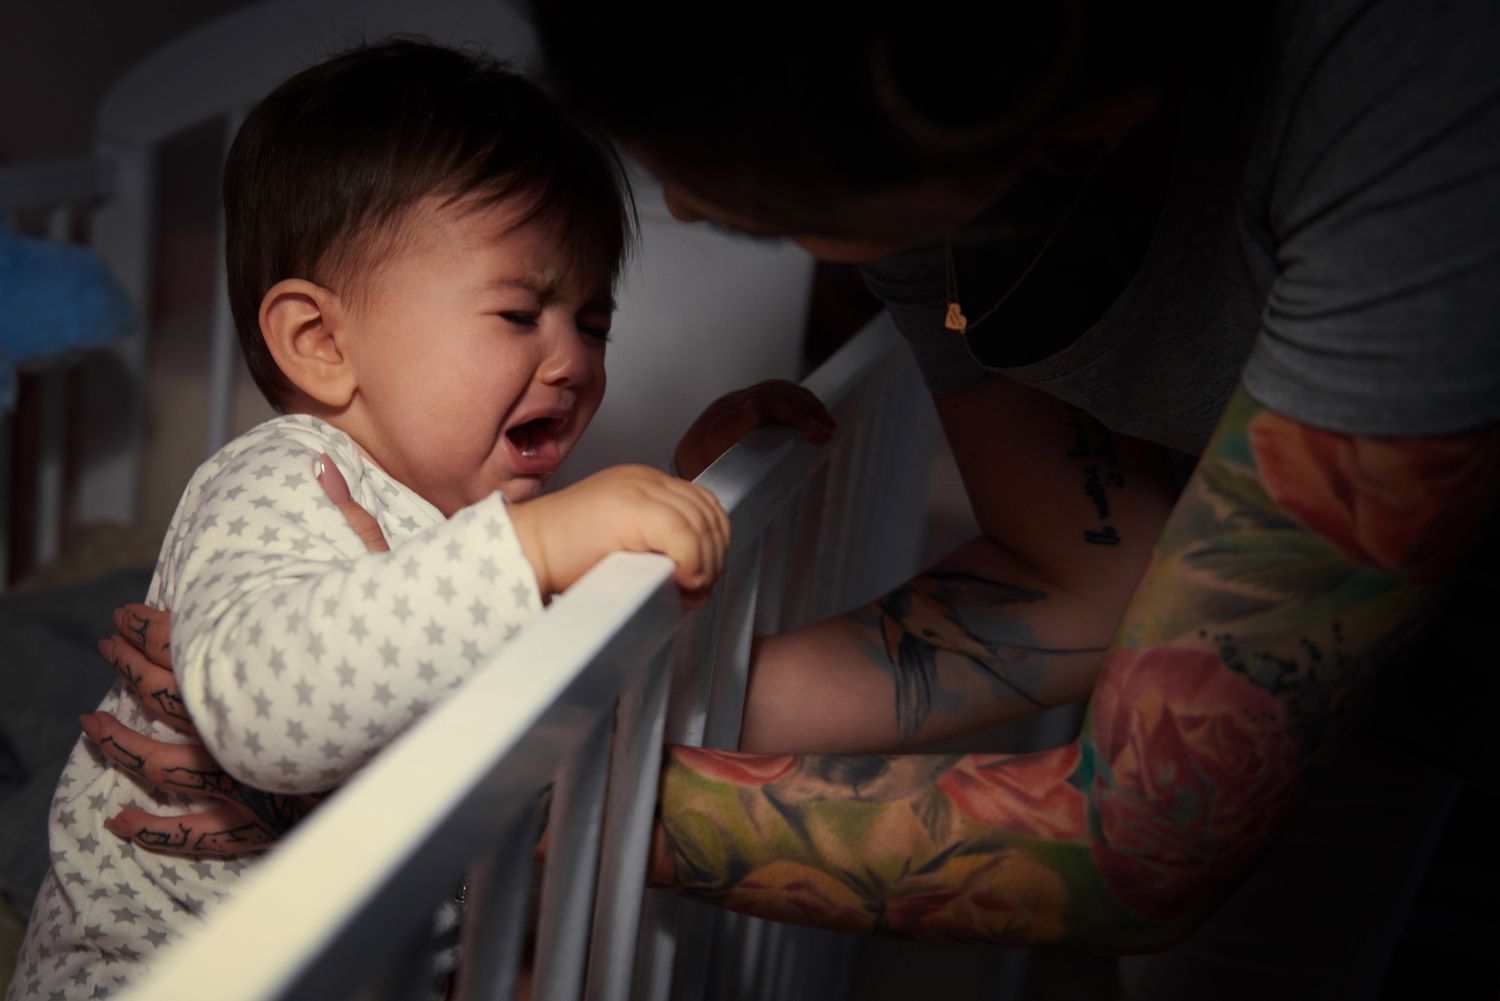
point(299, 655)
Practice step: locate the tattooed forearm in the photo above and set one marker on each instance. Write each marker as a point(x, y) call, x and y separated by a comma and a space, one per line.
point(1094, 447)
point(1298, 563)
point(951, 617)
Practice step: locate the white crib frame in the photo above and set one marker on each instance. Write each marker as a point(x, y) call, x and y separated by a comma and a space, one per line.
point(592, 688)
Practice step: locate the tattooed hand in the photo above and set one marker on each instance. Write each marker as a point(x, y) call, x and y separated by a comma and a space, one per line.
point(249, 819)
point(144, 661)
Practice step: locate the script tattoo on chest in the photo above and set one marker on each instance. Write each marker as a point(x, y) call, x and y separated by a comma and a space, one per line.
point(1094, 448)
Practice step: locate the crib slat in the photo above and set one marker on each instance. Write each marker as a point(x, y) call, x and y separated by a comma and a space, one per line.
point(770, 595)
point(568, 886)
point(691, 659)
point(60, 222)
point(411, 976)
point(54, 182)
point(6, 431)
point(733, 632)
point(656, 948)
point(495, 918)
point(52, 448)
point(54, 428)
point(834, 537)
point(123, 233)
point(635, 765)
point(752, 953)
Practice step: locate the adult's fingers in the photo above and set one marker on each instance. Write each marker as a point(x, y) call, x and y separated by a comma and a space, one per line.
point(791, 405)
point(155, 686)
point(185, 768)
point(150, 629)
point(226, 830)
point(765, 404)
point(337, 488)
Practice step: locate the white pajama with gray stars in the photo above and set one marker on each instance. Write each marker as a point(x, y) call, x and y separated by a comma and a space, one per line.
point(299, 655)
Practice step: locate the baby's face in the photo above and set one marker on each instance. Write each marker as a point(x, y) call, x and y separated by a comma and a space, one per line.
point(479, 359)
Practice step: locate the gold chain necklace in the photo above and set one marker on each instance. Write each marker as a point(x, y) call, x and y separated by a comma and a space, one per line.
point(1108, 125)
point(954, 319)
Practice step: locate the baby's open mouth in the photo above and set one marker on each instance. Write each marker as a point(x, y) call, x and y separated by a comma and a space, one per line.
point(537, 439)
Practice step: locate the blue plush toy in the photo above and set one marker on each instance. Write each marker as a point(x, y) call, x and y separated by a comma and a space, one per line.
point(55, 298)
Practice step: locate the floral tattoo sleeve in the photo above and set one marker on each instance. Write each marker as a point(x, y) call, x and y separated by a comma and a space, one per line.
point(1295, 565)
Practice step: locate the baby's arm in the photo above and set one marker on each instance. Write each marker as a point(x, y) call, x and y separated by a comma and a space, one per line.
point(631, 508)
point(298, 653)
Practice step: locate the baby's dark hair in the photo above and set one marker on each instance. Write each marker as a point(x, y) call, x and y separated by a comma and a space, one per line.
point(323, 170)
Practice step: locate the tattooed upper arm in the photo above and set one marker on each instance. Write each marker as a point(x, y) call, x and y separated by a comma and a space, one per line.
point(1078, 504)
point(1297, 569)
point(966, 623)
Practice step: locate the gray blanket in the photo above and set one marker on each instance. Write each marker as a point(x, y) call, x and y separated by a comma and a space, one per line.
point(51, 675)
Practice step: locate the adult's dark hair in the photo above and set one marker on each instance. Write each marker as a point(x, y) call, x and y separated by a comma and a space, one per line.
point(323, 169)
point(780, 109)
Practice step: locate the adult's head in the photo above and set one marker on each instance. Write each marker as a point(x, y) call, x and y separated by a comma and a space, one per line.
point(857, 135)
point(328, 167)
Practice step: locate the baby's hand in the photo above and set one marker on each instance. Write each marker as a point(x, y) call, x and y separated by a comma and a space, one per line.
point(633, 508)
point(727, 419)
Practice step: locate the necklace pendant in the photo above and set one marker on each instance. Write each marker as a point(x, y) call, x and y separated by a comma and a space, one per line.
point(955, 320)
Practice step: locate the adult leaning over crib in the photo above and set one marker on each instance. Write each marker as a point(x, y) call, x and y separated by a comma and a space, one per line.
point(1272, 254)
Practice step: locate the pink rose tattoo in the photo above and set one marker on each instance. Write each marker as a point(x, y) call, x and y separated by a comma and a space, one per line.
point(1391, 504)
point(1184, 798)
point(735, 767)
point(1029, 796)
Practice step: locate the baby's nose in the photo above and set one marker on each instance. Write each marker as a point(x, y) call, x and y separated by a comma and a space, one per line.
point(569, 362)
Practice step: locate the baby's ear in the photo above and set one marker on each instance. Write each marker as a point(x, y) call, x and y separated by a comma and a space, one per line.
point(301, 323)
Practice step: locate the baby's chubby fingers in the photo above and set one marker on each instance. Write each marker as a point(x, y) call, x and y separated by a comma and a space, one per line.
point(709, 524)
point(718, 523)
point(681, 523)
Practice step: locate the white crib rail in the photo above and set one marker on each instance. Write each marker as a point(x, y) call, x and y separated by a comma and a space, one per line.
point(588, 691)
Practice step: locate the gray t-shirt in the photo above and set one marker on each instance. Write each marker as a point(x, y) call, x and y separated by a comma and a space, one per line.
point(1335, 242)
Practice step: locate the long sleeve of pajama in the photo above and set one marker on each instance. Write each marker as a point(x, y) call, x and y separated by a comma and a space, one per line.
point(299, 655)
